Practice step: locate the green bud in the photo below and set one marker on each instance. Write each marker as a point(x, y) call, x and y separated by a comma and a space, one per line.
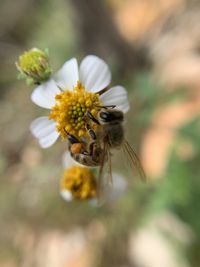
point(34, 66)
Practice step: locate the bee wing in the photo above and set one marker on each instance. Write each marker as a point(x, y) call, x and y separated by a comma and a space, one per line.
point(133, 160)
point(105, 172)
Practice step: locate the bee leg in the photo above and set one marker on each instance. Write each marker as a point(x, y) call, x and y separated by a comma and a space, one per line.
point(91, 117)
point(72, 139)
point(95, 151)
point(91, 131)
point(94, 147)
point(91, 148)
point(107, 107)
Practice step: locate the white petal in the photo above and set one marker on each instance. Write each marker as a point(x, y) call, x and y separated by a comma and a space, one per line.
point(118, 188)
point(116, 95)
point(119, 184)
point(66, 195)
point(49, 140)
point(44, 94)
point(45, 131)
point(67, 76)
point(67, 160)
point(94, 73)
point(42, 126)
point(111, 193)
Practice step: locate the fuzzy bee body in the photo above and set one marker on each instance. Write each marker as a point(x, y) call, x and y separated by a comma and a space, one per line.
point(109, 134)
point(113, 134)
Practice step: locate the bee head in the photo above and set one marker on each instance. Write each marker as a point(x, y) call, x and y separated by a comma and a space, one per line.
point(108, 116)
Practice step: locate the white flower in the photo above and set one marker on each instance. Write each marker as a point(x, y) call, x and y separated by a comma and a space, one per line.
point(69, 83)
point(83, 179)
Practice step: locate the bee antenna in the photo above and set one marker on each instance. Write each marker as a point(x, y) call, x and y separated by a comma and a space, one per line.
point(59, 87)
point(66, 131)
point(71, 138)
point(106, 107)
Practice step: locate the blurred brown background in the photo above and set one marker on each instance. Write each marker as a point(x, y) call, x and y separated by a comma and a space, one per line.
point(153, 49)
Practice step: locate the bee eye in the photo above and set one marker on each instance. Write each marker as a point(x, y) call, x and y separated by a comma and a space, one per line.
point(104, 115)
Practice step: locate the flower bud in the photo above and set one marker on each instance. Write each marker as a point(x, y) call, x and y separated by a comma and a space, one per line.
point(34, 66)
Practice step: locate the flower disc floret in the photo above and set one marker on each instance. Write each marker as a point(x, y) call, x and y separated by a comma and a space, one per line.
point(80, 182)
point(70, 110)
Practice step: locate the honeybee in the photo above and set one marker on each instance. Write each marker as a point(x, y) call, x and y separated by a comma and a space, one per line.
point(109, 134)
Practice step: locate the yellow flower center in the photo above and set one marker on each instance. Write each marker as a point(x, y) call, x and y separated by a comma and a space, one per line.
point(70, 109)
point(80, 182)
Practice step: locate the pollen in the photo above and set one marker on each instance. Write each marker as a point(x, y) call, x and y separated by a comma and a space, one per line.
point(80, 182)
point(76, 148)
point(69, 113)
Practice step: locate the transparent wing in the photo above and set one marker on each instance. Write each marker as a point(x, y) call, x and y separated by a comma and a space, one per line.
point(104, 179)
point(134, 161)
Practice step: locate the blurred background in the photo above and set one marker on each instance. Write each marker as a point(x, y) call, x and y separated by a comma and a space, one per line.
point(153, 49)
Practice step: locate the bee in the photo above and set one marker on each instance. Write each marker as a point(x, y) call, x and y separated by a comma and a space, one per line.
point(109, 134)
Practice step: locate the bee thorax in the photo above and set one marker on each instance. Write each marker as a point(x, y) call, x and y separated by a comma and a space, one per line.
point(115, 135)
